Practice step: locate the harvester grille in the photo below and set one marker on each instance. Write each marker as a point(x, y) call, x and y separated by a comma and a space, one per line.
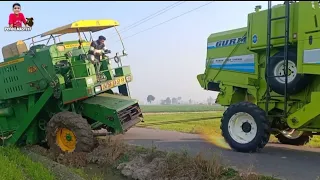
point(130, 113)
point(10, 79)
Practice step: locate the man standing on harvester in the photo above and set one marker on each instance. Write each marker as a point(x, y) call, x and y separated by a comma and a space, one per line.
point(97, 49)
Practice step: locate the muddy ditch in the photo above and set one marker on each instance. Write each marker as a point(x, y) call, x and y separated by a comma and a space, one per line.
point(113, 159)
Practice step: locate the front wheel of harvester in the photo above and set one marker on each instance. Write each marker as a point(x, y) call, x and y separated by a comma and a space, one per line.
point(293, 137)
point(245, 127)
point(69, 132)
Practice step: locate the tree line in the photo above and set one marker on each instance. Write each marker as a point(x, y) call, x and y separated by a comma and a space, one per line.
point(176, 100)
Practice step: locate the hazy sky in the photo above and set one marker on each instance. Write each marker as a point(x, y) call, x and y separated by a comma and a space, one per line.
point(164, 60)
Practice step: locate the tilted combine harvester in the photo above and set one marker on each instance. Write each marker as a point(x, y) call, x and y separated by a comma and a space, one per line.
point(52, 94)
point(268, 74)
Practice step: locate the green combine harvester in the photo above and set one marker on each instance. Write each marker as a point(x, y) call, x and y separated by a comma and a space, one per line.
point(52, 94)
point(268, 74)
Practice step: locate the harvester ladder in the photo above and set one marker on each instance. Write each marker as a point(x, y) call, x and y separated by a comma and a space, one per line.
point(285, 57)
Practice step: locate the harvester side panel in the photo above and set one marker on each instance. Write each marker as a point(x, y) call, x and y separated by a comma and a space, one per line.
point(309, 38)
point(257, 27)
point(241, 67)
point(25, 75)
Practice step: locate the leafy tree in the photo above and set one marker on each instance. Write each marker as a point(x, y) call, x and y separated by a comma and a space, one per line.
point(163, 102)
point(150, 98)
point(210, 100)
point(179, 100)
point(168, 100)
point(174, 101)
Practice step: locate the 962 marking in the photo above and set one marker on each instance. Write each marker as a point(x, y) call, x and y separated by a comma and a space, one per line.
point(112, 83)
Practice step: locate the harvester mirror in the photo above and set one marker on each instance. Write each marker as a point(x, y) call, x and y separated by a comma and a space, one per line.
point(117, 58)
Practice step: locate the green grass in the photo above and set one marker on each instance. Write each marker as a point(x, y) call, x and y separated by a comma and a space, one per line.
point(184, 122)
point(207, 124)
point(15, 165)
point(180, 108)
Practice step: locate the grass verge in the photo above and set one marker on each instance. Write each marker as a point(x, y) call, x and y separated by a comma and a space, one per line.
point(207, 124)
point(15, 165)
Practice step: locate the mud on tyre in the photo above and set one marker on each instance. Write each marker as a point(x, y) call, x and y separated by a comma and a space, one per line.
point(245, 127)
point(69, 132)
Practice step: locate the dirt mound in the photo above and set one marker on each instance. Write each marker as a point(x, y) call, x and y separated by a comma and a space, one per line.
point(180, 166)
point(146, 164)
point(106, 152)
point(142, 169)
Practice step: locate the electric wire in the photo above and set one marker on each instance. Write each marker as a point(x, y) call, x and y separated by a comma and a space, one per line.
point(194, 9)
point(146, 19)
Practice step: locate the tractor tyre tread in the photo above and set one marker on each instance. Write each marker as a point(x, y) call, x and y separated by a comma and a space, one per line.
point(77, 124)
point(263, 125)
point(300, 141)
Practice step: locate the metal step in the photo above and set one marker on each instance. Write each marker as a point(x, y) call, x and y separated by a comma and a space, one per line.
point(275, 76)
point(277, 18)
point(278, 37)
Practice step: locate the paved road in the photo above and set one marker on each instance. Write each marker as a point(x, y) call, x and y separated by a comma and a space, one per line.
point(282, 161)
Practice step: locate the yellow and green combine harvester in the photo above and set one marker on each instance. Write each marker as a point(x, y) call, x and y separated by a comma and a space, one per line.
point(51, 93)
point(268, 74)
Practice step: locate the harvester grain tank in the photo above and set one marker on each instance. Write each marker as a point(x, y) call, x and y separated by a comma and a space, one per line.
point(268, 74)
point(50, 92)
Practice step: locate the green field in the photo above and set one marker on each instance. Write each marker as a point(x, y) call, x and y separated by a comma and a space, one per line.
point(15, 165)
point(207, 124)
point(180, 108)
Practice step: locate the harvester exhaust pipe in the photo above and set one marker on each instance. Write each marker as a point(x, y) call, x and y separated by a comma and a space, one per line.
point(257, 8)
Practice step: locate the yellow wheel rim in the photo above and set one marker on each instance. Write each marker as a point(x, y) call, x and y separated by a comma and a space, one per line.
point(66, 139)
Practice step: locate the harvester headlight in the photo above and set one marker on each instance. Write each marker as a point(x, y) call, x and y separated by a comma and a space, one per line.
point(128, 78)
point(97, 89)
point(90, 81)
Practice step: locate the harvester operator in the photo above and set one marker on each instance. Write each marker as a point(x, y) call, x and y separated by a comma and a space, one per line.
point(96, 50)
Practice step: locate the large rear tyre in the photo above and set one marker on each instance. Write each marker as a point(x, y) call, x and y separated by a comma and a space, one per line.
point(69, 132)
point(245, 127)
point(294, 137)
